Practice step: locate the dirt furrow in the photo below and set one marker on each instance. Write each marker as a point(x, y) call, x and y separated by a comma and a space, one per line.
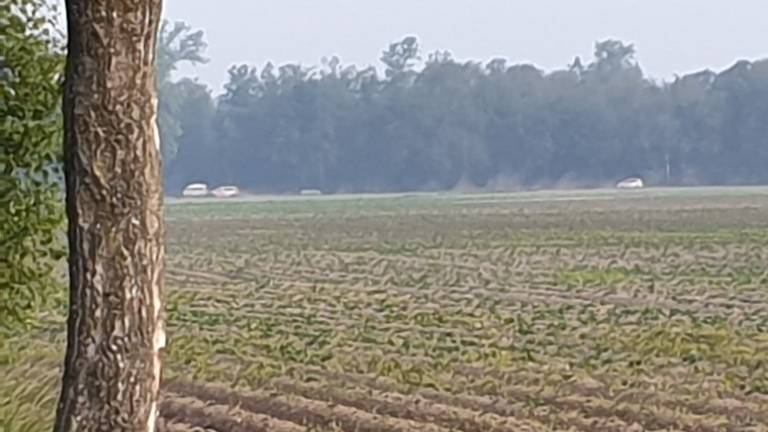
point(581, 409)
point(412, 408)
point(301, 410)
point(164, 425)
point(221, 418)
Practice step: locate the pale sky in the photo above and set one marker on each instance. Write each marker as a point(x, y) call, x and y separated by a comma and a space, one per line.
point(671, 36)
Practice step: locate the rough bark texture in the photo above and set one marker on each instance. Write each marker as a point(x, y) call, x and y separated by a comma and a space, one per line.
point(114, 203)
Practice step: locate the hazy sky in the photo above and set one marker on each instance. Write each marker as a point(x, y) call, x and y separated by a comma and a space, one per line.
point(671, 36)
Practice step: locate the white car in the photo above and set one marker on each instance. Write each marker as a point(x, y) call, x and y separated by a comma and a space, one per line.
point(310, 192)
point(226, 192)
point(631, 183)
point(195, 190)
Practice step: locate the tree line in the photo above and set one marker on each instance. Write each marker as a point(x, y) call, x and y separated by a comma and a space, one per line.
point(437, 123)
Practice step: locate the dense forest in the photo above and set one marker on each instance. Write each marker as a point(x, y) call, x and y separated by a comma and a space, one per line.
point(431, 122)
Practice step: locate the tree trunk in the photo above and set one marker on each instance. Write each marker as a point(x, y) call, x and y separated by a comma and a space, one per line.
point(114, 204)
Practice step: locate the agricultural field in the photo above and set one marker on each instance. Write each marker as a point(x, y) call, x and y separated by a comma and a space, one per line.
point(593, 311)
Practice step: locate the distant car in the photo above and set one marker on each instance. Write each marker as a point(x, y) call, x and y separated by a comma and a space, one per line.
point(631, 183)
point(310, 192)
point(195, 190)
point(226, 192)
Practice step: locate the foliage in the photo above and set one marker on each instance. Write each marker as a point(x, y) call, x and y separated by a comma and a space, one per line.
point(31, 211)
point(176, 43)
point(435, 123)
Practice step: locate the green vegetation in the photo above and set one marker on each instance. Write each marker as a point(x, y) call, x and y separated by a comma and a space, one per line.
point(31, 210)
point(582, 315)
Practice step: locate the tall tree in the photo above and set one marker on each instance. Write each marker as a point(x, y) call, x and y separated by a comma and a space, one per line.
point(176, 43)
point(197, 150)
point(114, 205)
point(401, 57)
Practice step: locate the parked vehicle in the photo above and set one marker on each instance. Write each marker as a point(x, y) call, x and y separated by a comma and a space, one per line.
point(310, 192)
point(631, 183)
point(226, 192)
point(195, 190)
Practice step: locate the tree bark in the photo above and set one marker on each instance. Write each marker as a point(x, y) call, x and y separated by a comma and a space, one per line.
point(114, 199)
